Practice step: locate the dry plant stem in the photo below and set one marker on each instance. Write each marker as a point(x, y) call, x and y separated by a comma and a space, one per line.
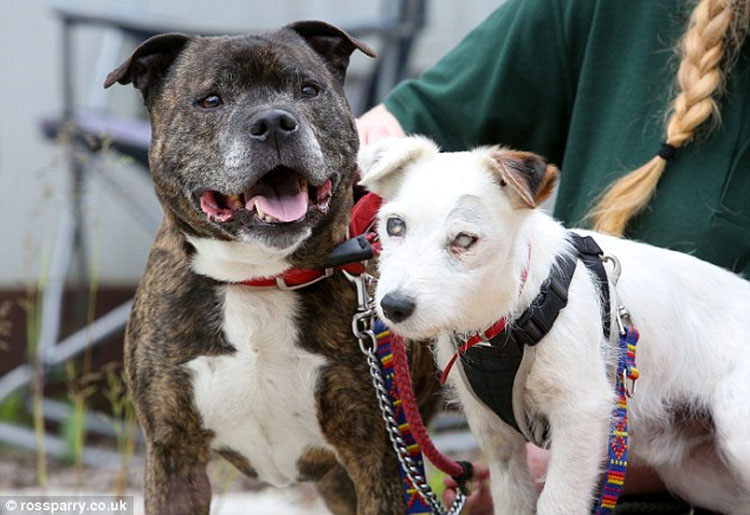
point(33, 311)
point(124, 425)
point(38, 414)
point(128, 446)
point(79, 417)
point(79, 389)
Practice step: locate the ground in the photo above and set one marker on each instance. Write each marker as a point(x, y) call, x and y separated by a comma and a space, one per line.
point(233, 493)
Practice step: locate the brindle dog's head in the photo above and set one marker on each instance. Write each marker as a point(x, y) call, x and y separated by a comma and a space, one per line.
point(252, 138)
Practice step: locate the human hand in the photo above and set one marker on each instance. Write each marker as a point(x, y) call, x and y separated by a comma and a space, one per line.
point(640, 480)
point(479, 501)
point(378, 123)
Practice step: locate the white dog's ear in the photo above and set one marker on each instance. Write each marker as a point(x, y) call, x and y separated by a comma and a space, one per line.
point(382, 164)
point(528, 175)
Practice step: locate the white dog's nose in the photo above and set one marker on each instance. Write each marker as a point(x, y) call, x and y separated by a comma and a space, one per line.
point(397, 307)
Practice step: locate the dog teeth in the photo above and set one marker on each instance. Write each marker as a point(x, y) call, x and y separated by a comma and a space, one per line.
point(302, 184)
point(234, 201)
point(259, 210)
point(262, 215)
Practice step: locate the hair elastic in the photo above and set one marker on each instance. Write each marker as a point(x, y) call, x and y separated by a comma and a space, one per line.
point(667, 151)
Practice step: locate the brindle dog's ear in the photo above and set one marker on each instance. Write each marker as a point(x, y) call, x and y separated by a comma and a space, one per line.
point(334, 45)
point(382, 164)
point(528, 175)
point(149, 62)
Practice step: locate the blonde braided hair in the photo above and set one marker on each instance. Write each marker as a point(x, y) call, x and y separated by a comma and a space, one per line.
point(714, 35)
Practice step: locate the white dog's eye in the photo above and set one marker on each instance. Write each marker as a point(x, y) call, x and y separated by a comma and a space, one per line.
point(463, 241)
point(395, 227)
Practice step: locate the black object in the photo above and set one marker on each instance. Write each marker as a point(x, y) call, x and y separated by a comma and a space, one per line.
point(397, 307)
point(350, 251)
point(466, 475)
point(273, 123)
point(667, 151)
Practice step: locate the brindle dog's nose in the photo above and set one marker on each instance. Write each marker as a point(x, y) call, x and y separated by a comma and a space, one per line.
point(397, 307)
point(273, 122)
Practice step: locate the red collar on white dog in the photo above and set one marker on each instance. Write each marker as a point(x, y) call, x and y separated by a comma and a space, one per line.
point(349, 256)
point(488, 334)
point(484, 336)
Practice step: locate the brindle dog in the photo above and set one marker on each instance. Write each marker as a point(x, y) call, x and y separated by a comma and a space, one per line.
point(253, 156)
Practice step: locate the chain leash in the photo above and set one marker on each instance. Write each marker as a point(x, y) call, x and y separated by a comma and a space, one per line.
point(363, 329)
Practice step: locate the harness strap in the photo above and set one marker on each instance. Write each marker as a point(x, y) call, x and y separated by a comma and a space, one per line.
point(590, 253)
point(493, 370)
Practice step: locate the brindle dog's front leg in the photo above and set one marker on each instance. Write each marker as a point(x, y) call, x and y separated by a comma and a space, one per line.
point(177, 446)
point(337, 490)
point(176, 481)
point(351, 421)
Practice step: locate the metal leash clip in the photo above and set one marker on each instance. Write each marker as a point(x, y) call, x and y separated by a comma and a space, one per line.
point(616, 267)
point(362, 320)
point(363, 327)
point(623, 319)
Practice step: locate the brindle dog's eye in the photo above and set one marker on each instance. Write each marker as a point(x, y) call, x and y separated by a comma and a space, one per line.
point(211, 101)
point(310, 91)
point(463, 241)
point(395, 227)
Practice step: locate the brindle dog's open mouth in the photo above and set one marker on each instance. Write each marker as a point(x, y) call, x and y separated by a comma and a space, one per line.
point(281, 196)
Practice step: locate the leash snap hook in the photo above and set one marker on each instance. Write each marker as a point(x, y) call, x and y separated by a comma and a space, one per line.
point(622, 316)
point(616, 267)
point(362, 320)
point(362, 283)
point(362, 329)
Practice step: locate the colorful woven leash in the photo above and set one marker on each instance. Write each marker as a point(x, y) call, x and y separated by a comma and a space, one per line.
point(617, 460)
point(414, 502)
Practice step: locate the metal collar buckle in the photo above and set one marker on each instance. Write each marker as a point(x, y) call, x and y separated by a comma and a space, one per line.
point(282, 285)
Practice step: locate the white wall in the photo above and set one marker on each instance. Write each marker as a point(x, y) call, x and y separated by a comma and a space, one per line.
point(33, 177)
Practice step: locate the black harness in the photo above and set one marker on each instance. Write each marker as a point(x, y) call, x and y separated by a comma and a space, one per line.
point(492, 369)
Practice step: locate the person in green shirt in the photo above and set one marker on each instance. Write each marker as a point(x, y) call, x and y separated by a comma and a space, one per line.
point(587, 84)
point(652, 146)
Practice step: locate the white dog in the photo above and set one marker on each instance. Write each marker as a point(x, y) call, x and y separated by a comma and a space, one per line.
point(461, 239)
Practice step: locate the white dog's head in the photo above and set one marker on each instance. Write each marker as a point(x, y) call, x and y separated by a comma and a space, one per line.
point(448, 227)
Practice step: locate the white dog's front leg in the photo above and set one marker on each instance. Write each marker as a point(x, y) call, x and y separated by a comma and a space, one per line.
point(578, 451)
point(504, 448)
point(510, 481)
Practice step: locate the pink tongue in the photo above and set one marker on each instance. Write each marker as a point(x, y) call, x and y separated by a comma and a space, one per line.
point(283, 200)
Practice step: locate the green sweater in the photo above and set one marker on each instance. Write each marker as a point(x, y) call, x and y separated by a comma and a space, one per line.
point(586, 83)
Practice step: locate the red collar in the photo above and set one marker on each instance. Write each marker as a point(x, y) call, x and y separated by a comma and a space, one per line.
point(362, 222)
point(489, 333)
point(485, 336)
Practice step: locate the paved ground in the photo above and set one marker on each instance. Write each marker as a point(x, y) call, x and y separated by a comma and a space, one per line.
point(233, 493)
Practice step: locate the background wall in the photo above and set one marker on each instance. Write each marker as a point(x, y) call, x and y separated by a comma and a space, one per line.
point(34, 182)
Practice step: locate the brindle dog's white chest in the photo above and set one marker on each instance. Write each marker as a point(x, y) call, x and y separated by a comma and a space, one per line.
point(259, 401)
